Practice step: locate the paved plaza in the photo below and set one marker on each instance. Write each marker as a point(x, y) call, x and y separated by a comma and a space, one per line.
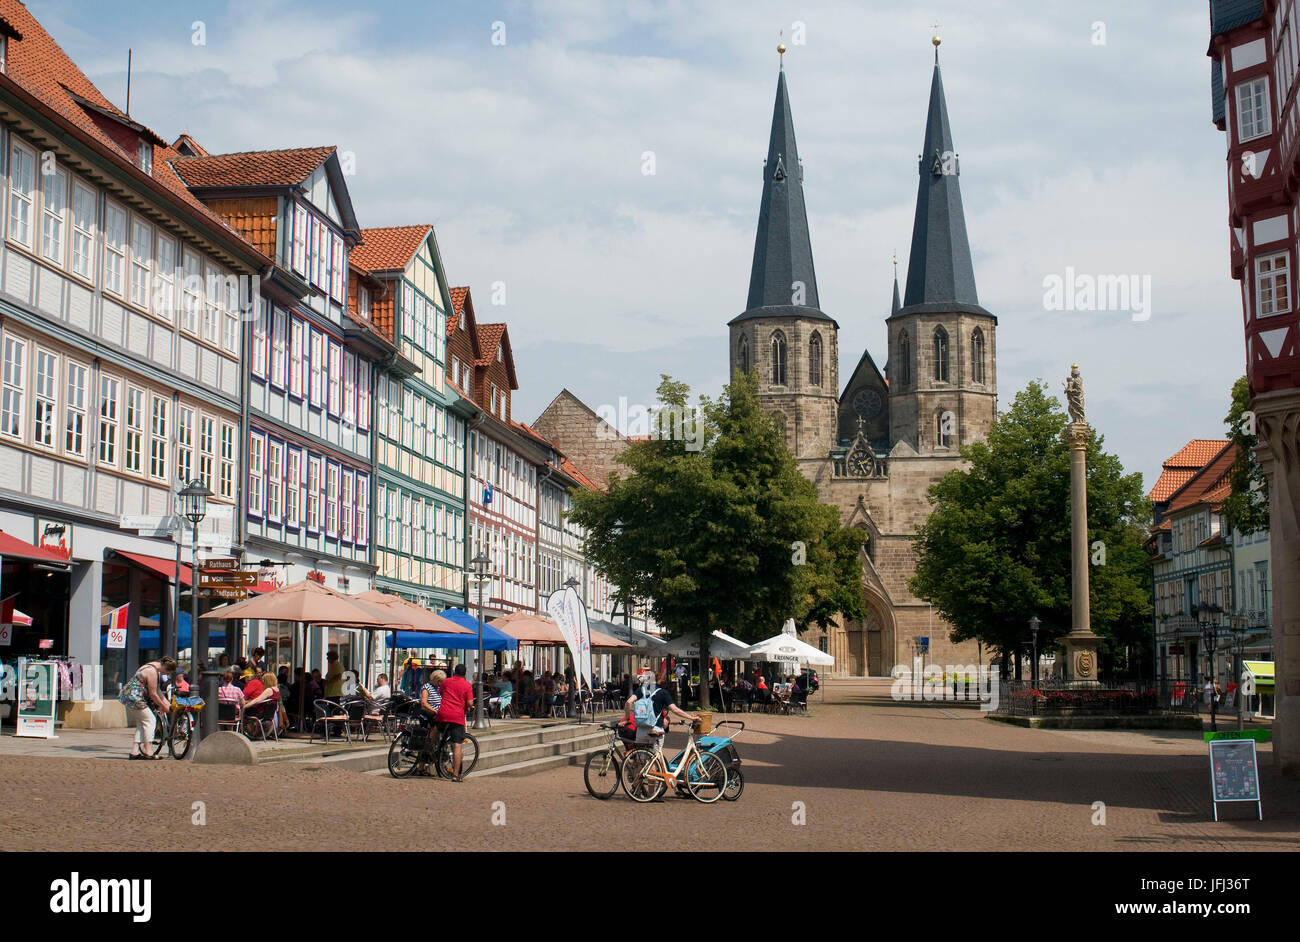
point(861, 773)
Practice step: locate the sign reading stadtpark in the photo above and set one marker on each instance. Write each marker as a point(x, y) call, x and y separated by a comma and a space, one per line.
point(1234, 773)
point(229, 593)
point(36, 699)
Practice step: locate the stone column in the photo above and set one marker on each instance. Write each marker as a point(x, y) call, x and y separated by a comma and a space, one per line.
point(1080, 645)
point(1277, 418)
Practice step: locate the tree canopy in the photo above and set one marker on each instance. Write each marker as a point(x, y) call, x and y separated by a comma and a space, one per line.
point(727, 536)
point(996, 548)
point(1246, 509)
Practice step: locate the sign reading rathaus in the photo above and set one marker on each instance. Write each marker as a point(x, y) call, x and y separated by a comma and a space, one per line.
point(874, 448)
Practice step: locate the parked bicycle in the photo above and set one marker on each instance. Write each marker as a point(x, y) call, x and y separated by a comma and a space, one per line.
point(647, 774)
point(604, 769)
point(176, 727)
point(414, 747)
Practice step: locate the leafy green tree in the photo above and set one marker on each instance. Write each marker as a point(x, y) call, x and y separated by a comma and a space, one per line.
point(1247, 508)
point(727, 536)
point(996, 548)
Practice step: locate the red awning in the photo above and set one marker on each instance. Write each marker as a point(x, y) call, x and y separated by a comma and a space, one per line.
point(160, 566)
point(14, 548)
point(263, 587)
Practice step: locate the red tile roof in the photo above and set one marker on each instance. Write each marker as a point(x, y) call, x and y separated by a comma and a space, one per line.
point(38, 66)
point(458, 296)
point(252, 168)
point(389, 248)
point(1179, 468)
point(1211, 484)
point(572, 471)
point(489, 338)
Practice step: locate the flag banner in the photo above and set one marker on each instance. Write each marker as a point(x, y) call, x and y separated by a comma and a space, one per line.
point(117, 627)
point(571, 616)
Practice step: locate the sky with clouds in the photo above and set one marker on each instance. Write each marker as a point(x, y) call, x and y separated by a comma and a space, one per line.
point(527, 155)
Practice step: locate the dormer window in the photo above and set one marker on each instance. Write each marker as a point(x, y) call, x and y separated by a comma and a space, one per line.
point(144, 156)
point(363, 300)
point(500, 357)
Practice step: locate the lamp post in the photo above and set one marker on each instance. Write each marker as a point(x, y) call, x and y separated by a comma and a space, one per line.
point(479, 568)
point(1208, 616)
point(194, 506)
point(1034, 623)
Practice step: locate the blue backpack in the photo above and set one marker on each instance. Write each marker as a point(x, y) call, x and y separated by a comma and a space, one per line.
point(643, 711)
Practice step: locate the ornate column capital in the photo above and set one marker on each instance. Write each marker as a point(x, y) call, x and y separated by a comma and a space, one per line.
point(1076, 435)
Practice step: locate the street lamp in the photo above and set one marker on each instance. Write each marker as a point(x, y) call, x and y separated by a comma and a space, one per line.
point(194, 507)
point(1208, 616)
point(1034, 623)
point(479, 573)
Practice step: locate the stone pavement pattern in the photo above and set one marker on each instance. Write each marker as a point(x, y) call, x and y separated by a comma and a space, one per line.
point(870, 775)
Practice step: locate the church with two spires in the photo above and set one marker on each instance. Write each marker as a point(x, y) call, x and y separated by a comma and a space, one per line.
point(874, 445)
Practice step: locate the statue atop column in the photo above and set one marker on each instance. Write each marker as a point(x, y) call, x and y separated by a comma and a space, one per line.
point(1074, 394)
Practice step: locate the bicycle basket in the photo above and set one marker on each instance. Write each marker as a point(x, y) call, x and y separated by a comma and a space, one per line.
point(417, 735)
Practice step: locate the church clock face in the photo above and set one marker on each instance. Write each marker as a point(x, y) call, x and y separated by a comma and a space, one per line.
point(867, 403)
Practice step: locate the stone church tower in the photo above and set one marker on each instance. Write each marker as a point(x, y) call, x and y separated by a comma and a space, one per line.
point(874, 448)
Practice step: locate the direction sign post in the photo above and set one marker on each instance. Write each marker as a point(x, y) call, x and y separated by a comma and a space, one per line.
point(226, 579)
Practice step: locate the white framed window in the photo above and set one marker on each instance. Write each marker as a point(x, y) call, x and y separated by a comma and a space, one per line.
point(54, 216)
point(419, 534)
point(406, 524)
point(320, 272)
point(279, 331)
point(381, 517)
point(339, 268)
point(336, 377)
point(1272, 284)
point(293, 487)
point(363, 508)
point(231, 304)
point(214, 281)
point(363, 395)
point(313, 494)
point(349, 388)
point(141, 260)
point(45, 398)
point(158, 440)
point(299, 262)
point(317, 361)
point(226, 480)
point(349, 507)
point(22, 190)
point(184, 444)
point(108, 420)
point(144, 156)
point(207, 450)
point(274, 479)
point(295, 357)
point(83, 229)
point(363, 301)
point(164, 286)
point(332, 500)
point(256, 473)
point(133, 445)
point(74, 411)
point(258, 367)
point(114, 248)
point(191, 292)
point(1253, 109)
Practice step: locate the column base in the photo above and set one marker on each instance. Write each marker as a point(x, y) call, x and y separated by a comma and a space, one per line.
point(1080, 664)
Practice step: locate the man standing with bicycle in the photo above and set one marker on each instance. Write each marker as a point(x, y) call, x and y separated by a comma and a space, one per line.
point(457, 697)
point(661, 704)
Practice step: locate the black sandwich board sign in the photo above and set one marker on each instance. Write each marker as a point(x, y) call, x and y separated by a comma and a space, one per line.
point(1234, 773)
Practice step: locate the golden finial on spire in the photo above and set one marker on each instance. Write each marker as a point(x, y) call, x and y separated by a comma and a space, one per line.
point(935, 40)
point(780, 48)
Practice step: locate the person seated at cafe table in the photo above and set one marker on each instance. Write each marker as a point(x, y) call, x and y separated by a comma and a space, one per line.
point(228, 694)
point(382, 691)
point(265, 705)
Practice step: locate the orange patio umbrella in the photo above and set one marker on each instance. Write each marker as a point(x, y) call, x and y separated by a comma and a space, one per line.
point(420, 617)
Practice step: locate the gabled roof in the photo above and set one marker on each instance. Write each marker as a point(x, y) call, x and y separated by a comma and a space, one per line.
point(1210, 485)
point(462, 303)
point(186, 146)
point(252, 168)
point(782, 247)
point(1180, 467)
point(572, 471)
point(940, 274)
point(37, 67)
point(389, 248)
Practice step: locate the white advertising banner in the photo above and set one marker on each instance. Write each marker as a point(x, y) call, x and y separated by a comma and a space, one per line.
point(571, 616)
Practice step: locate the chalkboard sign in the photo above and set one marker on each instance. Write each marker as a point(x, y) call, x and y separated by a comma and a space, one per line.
point(1234, 772)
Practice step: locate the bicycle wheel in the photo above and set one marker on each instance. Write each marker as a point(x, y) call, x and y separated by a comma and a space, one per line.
point(178, 743)
point(639, 780)
point(602, 774)
point(154, 746)
point(468, 756)
point(735, 784)
point(402, 759)
point(706, 778)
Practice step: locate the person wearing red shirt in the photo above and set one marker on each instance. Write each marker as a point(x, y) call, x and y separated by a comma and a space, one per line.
point(457, 697)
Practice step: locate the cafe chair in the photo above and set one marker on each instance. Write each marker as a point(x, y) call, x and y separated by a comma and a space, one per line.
point(329, 713)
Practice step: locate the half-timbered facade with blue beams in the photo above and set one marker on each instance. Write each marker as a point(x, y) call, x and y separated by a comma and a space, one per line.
point(120, 310)
point(420, 420)
point(309, 446)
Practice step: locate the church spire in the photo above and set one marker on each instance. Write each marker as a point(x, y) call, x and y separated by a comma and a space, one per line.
point(782, 281)
point(896, 305)
point(939, 271)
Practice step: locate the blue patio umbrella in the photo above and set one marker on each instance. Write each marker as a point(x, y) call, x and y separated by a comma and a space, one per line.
point(493, 640)
point(151, 638)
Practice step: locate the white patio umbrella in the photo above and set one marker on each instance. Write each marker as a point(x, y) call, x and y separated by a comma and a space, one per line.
point(786, 647)
point(722, 646)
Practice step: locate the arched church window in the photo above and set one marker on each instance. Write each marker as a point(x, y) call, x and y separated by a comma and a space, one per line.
point(742, 356)
point(940, 355)
point(905, 357)
point(778, 359)
point(815, 360)
point(943, 428)
point(977, 356)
